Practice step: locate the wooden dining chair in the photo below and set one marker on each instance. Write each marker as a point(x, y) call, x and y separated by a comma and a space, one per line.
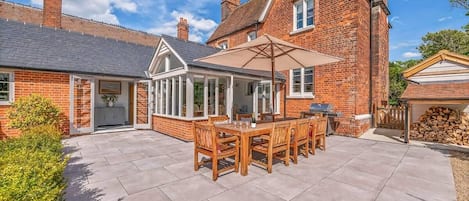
point(241, 117)
point(300, 139)
point(219, 120)
point(207, 142)
point(318, 133)
point(278, 141)
point(268, 116)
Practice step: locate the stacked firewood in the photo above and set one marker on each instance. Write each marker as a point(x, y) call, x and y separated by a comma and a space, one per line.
point(443, 125)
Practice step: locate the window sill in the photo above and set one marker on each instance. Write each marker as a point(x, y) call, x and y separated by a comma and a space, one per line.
point(302, 30)
point(7, 103)
point(300, 97)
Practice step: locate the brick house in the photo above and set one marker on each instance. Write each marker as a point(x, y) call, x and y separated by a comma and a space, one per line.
point(355, 30)
point(74, 62)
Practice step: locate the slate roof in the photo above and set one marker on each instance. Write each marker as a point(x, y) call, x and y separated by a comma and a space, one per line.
point(41, 48)
point(189, 51)
point(244, 16)
point(437, 91)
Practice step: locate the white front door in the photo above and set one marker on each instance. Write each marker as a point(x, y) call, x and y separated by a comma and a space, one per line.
point(82, 104)
point(143, 104)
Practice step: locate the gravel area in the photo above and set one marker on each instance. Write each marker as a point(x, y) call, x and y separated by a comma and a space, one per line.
point(460, 164)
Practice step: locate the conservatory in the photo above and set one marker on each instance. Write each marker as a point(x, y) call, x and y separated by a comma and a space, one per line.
point(186, 90)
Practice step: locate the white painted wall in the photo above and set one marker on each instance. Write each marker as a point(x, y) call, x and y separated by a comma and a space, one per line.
point(239, 95)
point(443, 66)
point(418, 110)
point(122, 101)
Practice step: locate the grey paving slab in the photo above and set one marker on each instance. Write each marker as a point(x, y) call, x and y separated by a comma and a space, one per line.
point(153, 194)
point(422, 189)
point(245, 192)
point(145, 180)
point(145, 165)
point(333, 190)
point(281, 185)
point(120, 158)
point(154, 162)
point(193, 188)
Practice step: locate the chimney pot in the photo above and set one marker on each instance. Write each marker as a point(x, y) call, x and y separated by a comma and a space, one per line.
point(52, 13)
point(183, 29)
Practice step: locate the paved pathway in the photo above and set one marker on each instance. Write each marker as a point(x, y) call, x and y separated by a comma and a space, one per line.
point(145, 165)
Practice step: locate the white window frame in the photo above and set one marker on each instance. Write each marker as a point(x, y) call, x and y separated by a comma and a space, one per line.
point(302, 93)
point(251, 34)
point(223, 45)
point(305, 15)
point(11, 88)
point(263, 102)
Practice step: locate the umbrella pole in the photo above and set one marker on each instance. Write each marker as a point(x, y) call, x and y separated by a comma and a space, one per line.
point(272, 60)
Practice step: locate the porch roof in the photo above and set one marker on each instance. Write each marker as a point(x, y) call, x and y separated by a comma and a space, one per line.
point(34, 47)
point(437, 91)
point(189, 51)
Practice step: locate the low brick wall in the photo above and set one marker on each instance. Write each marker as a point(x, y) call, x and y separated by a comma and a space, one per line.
point(181, 129)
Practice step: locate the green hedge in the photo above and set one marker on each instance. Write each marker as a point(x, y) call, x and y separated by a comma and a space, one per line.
point(32, 166)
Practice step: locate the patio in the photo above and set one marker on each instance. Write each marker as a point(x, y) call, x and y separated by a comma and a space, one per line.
point(146, 165)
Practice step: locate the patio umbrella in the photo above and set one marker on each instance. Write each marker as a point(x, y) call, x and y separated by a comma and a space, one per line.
point(268, 53)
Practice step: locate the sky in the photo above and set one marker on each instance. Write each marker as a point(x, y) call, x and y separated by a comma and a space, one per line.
point(410, 19)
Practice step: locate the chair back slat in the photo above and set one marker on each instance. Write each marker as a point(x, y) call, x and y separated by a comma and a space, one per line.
point(281, 134)
point(321, 126)
point(243, 117)
point(302, 129)
point(218, 119)
point(204, 136)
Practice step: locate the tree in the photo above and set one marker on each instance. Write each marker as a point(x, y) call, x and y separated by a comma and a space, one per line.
point(464, 4)
point(397, 83)
point(452, 40)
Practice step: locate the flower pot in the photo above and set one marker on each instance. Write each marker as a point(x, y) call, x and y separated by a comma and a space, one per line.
point(253, 125)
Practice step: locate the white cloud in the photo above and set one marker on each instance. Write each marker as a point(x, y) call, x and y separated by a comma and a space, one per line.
point(199, 27)
point(411, 54)
point(445, 18)
point(394, 18)
point(99, 10)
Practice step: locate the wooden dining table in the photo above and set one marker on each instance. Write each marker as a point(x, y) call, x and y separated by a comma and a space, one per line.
point(245, 133)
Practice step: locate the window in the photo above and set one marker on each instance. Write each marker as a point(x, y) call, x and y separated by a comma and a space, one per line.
point(264, 98)
point(302, 81)
point(252, 35)
point(223, 45)
point(303, 14)
point(169, 62)
point(199, 97)
point(6, 88)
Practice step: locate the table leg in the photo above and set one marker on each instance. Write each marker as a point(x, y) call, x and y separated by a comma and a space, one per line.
point(244, 154)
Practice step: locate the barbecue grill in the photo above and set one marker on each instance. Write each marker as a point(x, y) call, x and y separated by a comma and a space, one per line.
point(326, 110)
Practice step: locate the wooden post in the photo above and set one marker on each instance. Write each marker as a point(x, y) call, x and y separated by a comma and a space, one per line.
point(407, 123)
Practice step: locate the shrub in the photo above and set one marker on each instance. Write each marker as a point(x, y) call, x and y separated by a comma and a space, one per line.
point(33, 110)
point(32, 166)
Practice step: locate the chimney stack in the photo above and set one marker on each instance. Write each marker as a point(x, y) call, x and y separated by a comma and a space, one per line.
point(183, 29)
point(227, 7)
point(52, 13)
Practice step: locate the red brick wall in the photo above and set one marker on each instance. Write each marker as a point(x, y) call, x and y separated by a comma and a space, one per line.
point(142, 103)
point(177, 128)
point(51, 85)
point(341, 29)
point(31, 15)
point(82, 103)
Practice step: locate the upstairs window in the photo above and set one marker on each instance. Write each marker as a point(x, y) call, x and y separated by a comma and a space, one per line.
point(223, 45)
point(303, 14)
point(252, 35)
point(302, 81)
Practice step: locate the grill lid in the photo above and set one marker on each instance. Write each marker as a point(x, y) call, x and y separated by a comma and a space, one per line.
point(320, 107)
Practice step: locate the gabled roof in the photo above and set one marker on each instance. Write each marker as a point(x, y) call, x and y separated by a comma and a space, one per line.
point(41, 48)
point(189, 51)
point(242, 17)
point(443, 55)
point(437, 91)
